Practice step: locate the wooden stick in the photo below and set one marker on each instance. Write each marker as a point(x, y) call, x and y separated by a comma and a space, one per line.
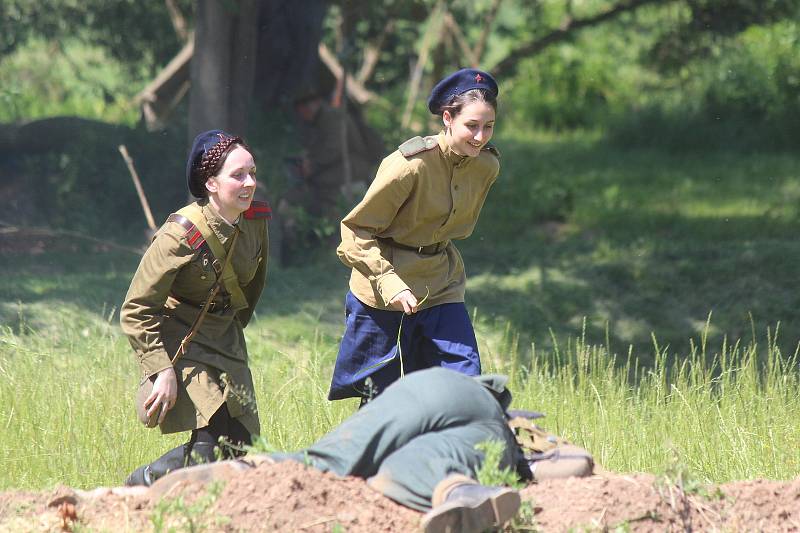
point(7, 229)
point(138, 184)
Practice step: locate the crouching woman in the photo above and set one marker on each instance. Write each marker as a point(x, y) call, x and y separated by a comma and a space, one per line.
point(193, 293)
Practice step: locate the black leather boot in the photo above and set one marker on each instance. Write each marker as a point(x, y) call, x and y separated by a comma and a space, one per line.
point(147, 474)
point(201, 452)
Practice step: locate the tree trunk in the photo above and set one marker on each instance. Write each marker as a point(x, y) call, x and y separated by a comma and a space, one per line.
point(223, 65)
point(289, 34)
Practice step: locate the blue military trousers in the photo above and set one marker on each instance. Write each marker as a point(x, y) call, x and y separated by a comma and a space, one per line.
point(440, 336)
point(422, 429)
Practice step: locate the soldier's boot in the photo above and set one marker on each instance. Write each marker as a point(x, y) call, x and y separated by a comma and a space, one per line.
point(147, 474)
point(460, 505)
point(201, 452)
point(562, 462)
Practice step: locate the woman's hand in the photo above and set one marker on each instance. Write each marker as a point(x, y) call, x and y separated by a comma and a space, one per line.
point(404, 301)
point(165, 392)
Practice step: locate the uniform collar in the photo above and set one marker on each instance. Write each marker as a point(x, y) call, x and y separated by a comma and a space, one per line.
point(221, 227)
point(453, 158)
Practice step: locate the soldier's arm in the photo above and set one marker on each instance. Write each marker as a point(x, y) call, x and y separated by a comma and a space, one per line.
point(141, 314)
point(360, 248)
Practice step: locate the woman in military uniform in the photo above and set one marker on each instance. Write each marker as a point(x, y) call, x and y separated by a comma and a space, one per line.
point(193, 293)
point(405, 309)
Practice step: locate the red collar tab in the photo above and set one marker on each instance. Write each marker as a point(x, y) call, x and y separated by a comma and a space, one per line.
point(258, 210)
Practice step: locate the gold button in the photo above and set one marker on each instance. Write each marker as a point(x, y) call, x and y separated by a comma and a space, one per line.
point(202, 277)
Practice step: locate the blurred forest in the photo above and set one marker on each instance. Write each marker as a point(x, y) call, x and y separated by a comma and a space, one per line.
point(648, 145)
point(671, 74)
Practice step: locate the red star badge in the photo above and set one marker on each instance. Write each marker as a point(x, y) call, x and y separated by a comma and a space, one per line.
point(478, 78)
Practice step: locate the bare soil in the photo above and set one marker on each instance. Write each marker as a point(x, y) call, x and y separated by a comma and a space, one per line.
point(293, 498)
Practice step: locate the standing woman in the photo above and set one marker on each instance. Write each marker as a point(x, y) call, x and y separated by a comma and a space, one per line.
point(405, 309)
point(195, 289)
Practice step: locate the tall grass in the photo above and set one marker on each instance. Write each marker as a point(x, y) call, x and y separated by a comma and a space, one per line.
point(636, 241)
point(731, 413)
point(66, 404)
point(67, 417)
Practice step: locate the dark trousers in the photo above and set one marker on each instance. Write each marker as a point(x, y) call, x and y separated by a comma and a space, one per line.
point(422, 429)
point(440, 336)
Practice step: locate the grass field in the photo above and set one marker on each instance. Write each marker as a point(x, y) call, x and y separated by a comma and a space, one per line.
point(593, 273)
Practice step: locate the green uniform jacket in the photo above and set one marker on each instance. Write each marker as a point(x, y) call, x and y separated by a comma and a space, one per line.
point(165, 296)
point(423, 194)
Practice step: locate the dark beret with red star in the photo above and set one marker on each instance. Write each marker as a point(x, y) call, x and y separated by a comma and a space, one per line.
point(457, 83)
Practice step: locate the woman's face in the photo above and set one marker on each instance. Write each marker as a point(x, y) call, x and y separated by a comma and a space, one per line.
point(231, 190)
point(471, 129)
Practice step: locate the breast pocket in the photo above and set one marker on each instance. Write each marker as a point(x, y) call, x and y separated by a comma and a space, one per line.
point(195, 280)
point(247, 263)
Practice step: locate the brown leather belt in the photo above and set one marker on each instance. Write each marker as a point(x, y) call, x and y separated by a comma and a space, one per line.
point(431, 249)
point(224, 305)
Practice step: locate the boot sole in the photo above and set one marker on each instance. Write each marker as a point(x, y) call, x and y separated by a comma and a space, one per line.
point(457, 517)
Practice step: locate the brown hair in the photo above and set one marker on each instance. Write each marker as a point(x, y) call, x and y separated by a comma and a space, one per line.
point(459, 101)
point(213, 160)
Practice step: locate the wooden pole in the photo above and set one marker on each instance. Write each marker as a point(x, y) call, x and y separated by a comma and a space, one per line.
point(138, 184)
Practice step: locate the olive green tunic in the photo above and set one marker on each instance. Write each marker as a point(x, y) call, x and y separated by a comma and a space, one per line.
point(429, 196)
point(166, 295)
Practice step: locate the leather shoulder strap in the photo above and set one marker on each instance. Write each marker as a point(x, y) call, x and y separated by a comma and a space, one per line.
point(194, 214)
point(417, 144)
point(492, 149)
point(193, 235)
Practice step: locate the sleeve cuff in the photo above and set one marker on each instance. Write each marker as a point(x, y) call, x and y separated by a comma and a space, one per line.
point(389, 286)
point(153, 363)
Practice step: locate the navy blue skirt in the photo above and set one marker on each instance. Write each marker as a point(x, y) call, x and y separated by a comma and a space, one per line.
point(438, 336)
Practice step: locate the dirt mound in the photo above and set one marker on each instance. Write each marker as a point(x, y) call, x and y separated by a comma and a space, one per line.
point(290, 497)
point(642, 502)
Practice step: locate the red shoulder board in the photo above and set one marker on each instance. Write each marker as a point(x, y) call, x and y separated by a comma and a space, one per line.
point(258, 210)
point(193, 236)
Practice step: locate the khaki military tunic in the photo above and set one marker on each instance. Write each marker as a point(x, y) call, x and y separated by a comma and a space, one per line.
point(166, 295)
point(431, 196)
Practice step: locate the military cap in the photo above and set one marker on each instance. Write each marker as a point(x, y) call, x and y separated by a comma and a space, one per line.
point(202, 144)
point(457, 83)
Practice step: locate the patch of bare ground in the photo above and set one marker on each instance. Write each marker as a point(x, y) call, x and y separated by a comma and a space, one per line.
point(644, 503)
point(293, 498)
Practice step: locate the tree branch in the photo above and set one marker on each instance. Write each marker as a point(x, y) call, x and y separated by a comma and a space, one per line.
point(372, 52)
point(354, 89)
point(431, 37)
point(178, 20)
point(458, 35)
point(567, 27)
point(487, 29)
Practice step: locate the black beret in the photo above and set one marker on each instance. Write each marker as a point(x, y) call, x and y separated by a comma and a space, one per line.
point(457, 83)
point(202, 144)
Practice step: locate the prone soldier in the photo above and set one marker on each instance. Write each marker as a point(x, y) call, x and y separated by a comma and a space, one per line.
point(416, 444)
